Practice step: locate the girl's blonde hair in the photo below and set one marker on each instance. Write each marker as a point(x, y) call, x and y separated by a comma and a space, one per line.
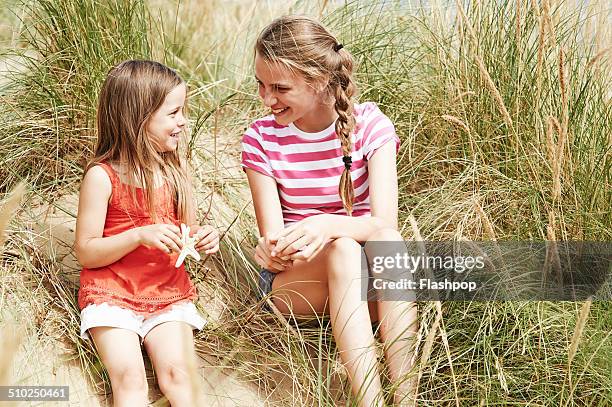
point(303, 45)
point(132, 92)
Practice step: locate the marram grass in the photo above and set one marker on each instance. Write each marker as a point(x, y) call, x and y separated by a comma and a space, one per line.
point(503, 109)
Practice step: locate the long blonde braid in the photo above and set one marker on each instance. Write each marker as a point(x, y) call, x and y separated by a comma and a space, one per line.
point(343, 89)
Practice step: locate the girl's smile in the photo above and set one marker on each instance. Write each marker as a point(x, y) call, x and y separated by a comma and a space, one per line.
point(279, 111)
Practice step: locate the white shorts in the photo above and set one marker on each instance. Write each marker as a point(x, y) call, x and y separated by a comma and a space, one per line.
point(95, 315)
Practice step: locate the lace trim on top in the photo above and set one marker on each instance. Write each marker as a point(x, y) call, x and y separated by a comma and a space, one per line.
point(141, 305)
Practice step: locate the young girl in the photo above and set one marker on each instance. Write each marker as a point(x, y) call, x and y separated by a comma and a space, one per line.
point(323, 180)
point(134, 195)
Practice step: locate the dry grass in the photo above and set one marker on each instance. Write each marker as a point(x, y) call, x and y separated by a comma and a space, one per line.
point(9, 207)
point(456, 121)
point(473, 182)
point(11, 335)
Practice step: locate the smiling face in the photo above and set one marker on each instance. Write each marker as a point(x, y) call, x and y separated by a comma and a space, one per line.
point(290, 98)
point(166, 124)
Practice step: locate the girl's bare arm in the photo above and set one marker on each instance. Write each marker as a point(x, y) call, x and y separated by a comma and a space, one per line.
point(266, 202)
point(382, 178)
point(269, 216)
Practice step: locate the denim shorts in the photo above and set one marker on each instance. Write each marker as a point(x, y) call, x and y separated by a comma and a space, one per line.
point(266, 278)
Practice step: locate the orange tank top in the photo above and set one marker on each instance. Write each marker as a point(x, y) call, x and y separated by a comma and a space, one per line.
point(144, 280)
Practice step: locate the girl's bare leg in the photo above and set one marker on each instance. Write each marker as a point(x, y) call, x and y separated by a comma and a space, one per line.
point(398, 328)
point(171, 349)
point(331, 280)
point(120, 352)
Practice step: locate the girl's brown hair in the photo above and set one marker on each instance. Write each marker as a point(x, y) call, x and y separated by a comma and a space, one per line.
point(303, 45)
point(132, 92)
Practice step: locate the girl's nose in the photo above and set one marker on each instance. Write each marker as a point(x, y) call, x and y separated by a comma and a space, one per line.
point(269, 99)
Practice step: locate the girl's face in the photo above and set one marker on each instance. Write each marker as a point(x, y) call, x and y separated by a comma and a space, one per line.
point(290, 98)
point(166, 124)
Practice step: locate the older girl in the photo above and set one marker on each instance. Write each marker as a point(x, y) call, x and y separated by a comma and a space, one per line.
point(322, 174)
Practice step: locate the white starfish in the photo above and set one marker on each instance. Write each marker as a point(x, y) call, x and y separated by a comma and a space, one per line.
point(188, 246)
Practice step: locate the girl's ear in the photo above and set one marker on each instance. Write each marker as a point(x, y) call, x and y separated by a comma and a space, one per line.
point(322, 85)
point(326, 93)
point(324, 90)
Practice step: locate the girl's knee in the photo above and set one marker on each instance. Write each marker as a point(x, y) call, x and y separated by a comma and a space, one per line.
point(340, 250)
point(343, 246)
point(173, 377)
point(385, 235)
point(130, 379)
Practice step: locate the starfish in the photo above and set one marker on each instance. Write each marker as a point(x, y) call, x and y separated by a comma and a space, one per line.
point(188, 246)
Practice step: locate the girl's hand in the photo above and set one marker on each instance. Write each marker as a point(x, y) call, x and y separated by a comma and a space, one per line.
point(165, 237)
point(303, 239)
point(264, 258)
point(208, 239)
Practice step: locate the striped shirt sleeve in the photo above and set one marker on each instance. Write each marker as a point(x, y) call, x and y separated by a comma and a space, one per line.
point(379, 130)
point(253, 154)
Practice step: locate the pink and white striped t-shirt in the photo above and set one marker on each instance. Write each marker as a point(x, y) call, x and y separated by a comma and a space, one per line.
point(307, 166)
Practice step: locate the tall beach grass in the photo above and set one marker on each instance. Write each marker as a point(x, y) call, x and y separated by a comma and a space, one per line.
point(503, 109)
